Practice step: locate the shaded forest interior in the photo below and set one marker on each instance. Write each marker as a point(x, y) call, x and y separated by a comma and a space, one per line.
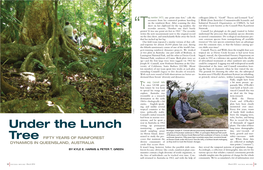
point(44, 71)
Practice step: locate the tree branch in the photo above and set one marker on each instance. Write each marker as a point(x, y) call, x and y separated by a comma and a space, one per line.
point(117, 4)
point(125, 6)
point(114, 2)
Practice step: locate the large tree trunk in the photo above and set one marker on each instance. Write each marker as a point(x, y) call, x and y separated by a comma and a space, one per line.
point(42, 40)
point(37, 23)
point(40, 26)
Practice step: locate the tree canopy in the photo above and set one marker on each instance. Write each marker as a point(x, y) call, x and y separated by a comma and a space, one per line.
point(224, 104)
point(89, 16)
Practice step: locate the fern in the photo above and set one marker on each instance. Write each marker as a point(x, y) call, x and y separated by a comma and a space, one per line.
point(39, 64)
point(115, 60)
point(12, 23)
point(59, 61)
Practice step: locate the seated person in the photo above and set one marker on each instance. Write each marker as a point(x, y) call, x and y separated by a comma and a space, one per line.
point(186, 113)
point(75, 36)
point(96, 42)
point(81, 39)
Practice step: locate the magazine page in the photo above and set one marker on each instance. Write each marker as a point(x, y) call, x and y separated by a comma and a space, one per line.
point(198, 77)
point(130, 84)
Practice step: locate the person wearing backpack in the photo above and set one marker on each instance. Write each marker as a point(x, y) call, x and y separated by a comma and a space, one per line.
point(183, 111)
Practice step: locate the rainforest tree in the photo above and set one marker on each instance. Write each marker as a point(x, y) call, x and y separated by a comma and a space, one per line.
point(32, 39)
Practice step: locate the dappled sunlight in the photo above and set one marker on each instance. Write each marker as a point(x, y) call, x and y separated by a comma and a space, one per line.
point(28, 75)
point(59, 108)
point(51, 104)
point(28, 88)
point(46, 81)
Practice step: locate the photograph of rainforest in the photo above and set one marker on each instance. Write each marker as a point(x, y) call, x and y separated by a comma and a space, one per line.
point(66, 56)
point(208, 97)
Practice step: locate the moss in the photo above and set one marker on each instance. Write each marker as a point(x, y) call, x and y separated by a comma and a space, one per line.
point(69, 102)
point(217, 115)
point(16, 52)
point(77, 67)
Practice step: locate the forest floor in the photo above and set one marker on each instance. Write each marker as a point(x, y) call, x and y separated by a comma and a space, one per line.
point(98, 94)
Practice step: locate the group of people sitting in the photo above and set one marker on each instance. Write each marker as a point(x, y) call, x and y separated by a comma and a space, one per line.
point(94, 41)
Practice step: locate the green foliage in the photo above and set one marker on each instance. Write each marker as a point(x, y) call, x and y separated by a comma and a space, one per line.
point(9, 22)
point(224, 104)
point(2, 93)
point(89, 107)
point(213, 99)
point(60, 63)
point(7, 14)
point(196, 101)
point(171, 86)
point(38, 64)
point(172, 102)
point(76, 66)
point(208, 109)
point(89, 16)
point(84, 15)
point(101, 97)
point(85, 42)
point(115, 60)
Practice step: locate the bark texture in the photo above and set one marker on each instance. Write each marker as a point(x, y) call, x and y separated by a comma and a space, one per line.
point(5, 87)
